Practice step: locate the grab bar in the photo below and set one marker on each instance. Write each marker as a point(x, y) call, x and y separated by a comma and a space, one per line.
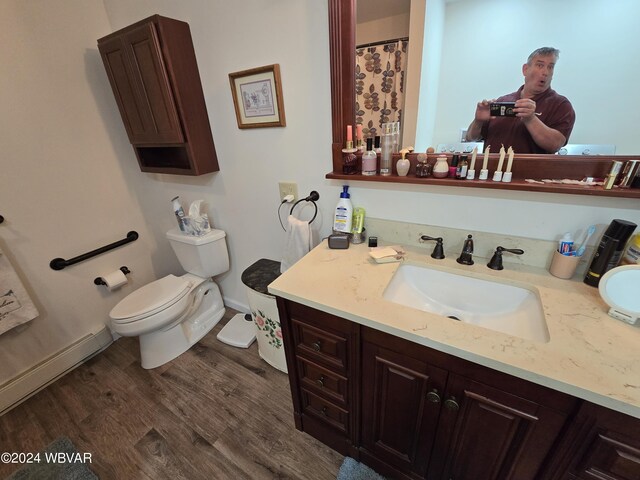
point(60, 263)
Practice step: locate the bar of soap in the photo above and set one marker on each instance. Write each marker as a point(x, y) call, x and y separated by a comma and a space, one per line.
point(381, 252)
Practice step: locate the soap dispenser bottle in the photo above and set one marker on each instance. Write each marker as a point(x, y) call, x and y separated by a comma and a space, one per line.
point(344, 212)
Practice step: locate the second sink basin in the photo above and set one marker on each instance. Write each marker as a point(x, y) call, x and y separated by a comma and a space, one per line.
point(497, 306)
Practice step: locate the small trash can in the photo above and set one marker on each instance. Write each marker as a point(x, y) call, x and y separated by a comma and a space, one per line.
point(264, 311)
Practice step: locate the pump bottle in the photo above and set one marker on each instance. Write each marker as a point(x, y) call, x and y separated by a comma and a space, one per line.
point(344, 212)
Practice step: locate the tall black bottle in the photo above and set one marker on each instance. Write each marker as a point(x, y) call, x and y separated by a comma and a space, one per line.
point(609, 250)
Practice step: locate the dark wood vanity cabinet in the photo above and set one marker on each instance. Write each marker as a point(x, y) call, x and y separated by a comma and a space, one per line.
point(600, 444)
point(322, 350)
point(430, 415)
point(153, 72)
point(411, 412)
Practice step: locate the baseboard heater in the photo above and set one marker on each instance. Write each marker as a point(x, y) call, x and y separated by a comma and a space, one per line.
point(30, 382)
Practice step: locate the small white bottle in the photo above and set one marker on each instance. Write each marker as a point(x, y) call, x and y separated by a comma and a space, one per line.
point(344, 212)
point(369, 159)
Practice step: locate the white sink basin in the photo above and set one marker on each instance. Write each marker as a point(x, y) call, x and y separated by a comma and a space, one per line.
point(497, 306)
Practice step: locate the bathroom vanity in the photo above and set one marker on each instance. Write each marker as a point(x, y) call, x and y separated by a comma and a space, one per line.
point(418, 395)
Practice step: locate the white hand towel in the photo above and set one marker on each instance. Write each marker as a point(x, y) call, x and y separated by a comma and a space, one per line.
point(297, 243)
point(16, 306)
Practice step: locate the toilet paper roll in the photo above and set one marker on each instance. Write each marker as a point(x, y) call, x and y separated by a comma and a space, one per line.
point(115, 280)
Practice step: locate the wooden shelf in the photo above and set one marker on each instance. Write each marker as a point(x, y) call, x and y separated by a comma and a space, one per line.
point(514, 185)
point(524, 166)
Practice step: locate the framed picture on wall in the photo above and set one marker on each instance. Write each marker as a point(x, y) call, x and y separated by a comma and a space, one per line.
point(257, 97)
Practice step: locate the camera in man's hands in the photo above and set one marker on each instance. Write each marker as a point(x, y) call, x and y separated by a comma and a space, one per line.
point(502, 109)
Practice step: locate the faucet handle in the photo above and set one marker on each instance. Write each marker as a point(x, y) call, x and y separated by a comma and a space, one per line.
point(496, 261)
point(438, 250)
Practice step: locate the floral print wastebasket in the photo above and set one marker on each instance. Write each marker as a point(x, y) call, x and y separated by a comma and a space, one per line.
point(264, 311)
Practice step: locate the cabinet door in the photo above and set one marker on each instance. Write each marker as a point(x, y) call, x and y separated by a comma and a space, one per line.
point(400, 407)
point(600, 445)
point(491, 434)
point(139, 80)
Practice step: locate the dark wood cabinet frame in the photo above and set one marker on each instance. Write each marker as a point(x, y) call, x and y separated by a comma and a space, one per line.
point(342, 46)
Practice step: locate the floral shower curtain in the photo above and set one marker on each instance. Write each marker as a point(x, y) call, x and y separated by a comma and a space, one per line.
point(380, 77)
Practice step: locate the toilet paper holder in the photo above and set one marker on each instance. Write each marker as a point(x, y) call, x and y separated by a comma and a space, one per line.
point(100, 280)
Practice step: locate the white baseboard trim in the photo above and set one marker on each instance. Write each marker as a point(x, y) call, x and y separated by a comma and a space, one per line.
point(49, 370)
point(241, 307)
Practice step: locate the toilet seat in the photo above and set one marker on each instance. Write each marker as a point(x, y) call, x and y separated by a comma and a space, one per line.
point(150, 299)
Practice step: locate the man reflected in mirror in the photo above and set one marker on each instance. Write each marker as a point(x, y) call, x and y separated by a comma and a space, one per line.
point(543, 119)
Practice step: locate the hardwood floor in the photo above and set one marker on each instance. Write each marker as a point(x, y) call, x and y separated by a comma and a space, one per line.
point(215, 412)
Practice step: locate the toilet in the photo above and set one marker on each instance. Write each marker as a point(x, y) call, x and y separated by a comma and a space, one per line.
point(173, 313)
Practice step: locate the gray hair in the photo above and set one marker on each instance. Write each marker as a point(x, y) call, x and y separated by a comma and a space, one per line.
point(543, 52)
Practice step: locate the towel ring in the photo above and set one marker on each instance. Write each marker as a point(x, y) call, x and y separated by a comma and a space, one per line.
point(313, 196)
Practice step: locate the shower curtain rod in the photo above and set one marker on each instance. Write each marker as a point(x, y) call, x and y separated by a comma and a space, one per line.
point(382, 42)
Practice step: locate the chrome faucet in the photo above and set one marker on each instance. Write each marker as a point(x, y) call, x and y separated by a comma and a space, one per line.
point(496, 261)
point(438, 250)
point(465, 257)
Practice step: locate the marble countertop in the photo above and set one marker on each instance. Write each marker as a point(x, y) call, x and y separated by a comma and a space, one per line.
point(589, 355)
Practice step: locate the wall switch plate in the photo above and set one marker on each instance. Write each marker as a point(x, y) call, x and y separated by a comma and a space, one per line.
point(288, 188)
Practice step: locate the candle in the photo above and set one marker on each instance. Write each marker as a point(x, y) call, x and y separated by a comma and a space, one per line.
point(473, 158)
point(359, 132)
point(349, 134)
point(510, 161)
point(486, 157)
point(502, 153)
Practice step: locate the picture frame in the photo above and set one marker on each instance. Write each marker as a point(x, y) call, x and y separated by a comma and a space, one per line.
point(257, 97)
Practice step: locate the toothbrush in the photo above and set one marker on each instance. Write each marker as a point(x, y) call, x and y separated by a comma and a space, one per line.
point(583, 244)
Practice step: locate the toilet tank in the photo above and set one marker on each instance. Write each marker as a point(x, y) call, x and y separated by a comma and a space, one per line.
point(204, 256)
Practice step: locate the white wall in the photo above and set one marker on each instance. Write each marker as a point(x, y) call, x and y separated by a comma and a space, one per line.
point(70, 181)
point(64, 188)
point(486, 43)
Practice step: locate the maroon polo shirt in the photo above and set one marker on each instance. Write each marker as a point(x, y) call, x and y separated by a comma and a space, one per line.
point(556, 112)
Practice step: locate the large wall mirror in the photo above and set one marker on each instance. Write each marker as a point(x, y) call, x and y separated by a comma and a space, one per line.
point(476, 50)
point(462, 51)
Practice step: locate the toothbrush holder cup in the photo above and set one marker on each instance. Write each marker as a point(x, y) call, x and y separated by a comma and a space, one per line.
point(563, 266)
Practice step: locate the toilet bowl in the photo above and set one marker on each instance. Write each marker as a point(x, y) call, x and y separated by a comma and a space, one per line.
point(171, 314)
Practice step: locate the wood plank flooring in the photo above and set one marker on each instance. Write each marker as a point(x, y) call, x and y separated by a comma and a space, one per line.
point(215, 412)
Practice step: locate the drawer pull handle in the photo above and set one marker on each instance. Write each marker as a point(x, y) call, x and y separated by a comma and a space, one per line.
point(325, 411)
point(451, 404)
point(433, 396)
point(316, 345)
point(320, 381)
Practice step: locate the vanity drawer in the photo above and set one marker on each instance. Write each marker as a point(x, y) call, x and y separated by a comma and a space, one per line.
point(327, 347)
point(322, 381)
point(325, 411)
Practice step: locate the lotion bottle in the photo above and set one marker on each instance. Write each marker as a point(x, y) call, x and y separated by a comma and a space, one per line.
point(343, 217)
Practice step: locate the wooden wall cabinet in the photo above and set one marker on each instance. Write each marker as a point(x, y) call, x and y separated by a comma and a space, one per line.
point(411, 412)
point(154, 75)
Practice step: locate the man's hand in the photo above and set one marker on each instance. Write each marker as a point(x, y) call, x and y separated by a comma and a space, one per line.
point(525, 108)
point(483, 113)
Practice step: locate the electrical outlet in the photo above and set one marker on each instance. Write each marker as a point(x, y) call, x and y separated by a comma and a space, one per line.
point(288, 188)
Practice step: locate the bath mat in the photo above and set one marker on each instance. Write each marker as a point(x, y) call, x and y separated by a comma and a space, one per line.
point(354, 470)
point(63, 470)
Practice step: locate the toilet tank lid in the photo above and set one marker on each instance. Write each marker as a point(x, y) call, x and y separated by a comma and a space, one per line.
point(212, 236)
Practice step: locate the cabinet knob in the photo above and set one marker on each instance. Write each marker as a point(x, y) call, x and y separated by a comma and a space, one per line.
point(451, 404)
point(433, 396)
point(320, 381)
point(316, 345)
point(325, 411)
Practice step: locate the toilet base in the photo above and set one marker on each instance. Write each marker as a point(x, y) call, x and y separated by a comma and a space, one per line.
point(158, 348)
